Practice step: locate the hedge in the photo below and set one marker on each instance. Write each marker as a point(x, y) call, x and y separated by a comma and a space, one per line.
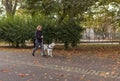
point(19, 29)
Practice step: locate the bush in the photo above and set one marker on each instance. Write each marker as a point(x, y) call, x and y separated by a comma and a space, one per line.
point(69, 33)
point(19, 29)
point(14, 30)
point(49, 34)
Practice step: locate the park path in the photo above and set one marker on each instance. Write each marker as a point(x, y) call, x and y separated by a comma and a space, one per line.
point(22, 66)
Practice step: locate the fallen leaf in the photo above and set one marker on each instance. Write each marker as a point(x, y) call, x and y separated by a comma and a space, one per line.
point(23, 74)
point(82, 77)
point(35, 62)
point(45, 73)
point(14, 65)
point(5, 70)
point(61, 75)
point(66, 80)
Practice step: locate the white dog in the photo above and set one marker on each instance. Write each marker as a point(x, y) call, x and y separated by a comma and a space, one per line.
point(49, 48)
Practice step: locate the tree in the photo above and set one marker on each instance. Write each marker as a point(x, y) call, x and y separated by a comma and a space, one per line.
point(63, 9)
point(102, 15)
point(10, 7)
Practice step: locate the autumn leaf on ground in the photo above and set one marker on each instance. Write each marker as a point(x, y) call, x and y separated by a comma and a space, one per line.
point(35, 62)
point(45, 73)
point(104, 74)
point(82, 77)
point(5, 70)
point(88, 80)
point(65, 80)
point(14, 65)
point(118, 63)
point(23, 74)
point(61, 75)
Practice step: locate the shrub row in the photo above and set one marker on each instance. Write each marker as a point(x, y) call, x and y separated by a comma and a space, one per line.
point(17, 30)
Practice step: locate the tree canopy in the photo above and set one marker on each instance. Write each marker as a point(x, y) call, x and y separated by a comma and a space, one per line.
point(64, 18)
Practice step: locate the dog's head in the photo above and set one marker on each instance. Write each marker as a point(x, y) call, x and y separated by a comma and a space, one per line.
point(52, 44)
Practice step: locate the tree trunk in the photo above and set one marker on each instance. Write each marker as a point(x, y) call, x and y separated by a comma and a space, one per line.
point(10, 7)
point(66, 45)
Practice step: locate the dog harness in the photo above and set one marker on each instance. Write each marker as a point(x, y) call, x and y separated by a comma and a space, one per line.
point(49, 47)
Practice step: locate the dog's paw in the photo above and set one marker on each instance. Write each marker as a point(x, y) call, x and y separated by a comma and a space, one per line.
point(50, 55)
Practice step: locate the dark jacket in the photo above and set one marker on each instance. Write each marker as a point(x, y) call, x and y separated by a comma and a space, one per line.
point(38, 35)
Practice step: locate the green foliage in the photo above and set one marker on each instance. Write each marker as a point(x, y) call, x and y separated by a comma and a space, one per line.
point(102, 15)
point(48, 25)
point(49, 34)
point(19, 29)
point(69, 33)
point(52, 15)
point(63, 9)
point(14, 30)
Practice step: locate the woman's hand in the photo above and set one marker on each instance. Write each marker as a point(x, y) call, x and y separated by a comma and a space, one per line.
point(41, 36)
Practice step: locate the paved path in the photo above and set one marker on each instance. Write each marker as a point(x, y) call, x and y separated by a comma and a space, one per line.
point(21, 66)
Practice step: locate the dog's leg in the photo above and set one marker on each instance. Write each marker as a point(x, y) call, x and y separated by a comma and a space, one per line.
point(51, 53)
point(48, 52)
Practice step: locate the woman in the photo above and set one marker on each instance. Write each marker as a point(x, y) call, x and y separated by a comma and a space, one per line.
point(38, 40)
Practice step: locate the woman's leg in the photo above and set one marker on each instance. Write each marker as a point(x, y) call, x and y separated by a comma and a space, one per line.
point(42, 48)
point(36, 47)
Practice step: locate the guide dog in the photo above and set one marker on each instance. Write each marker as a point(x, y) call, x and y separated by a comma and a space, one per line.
point(49, 48)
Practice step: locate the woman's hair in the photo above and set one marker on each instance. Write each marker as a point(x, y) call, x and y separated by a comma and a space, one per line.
point(39, 26)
